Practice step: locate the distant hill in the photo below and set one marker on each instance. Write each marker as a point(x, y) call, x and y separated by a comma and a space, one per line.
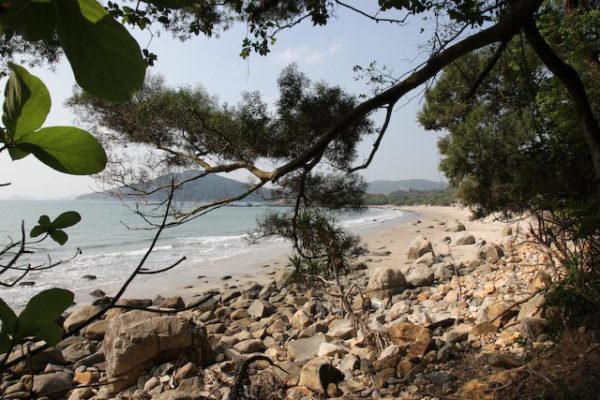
point(208, 188)
point(387, 187)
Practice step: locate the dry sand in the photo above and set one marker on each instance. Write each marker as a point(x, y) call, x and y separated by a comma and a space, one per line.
point(392, 236)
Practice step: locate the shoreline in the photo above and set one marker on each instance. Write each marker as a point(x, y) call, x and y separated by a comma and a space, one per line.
point(257, 266)
point(390, 236)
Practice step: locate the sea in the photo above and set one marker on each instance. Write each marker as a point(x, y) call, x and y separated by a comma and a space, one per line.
point(111, 240)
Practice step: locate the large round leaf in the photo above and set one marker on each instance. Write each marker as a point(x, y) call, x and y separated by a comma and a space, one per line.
point(35, 21)
point(66, 219)
point(26, 102)
point(106, 59)
point(65, 149)
point(39, 316)
point(8, 318)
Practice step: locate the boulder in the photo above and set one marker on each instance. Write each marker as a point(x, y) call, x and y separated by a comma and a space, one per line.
point(318, 374)
point(302, 350)
point(96, 330)
point(260, 309)
point(532, 308)
point(136, 339)
point(175, 303)
point(420, 246)
point(420, 275)
point(250, 346)
point(463, 239)
point(35, 363)
point(404, 333)
point(454, 226)
point(134, 302)
point(78, 351)
point(341, 329)
point(384, 282)
point(301, 320)
point(55, 384)
point(331, 350)
point(427, 259)
point(490, 252)
point(79, 315)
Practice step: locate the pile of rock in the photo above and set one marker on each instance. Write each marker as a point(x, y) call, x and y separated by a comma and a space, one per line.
point(417, 322)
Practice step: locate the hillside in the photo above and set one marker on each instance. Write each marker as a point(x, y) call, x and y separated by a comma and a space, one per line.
point(387, 187)
point(208, 188)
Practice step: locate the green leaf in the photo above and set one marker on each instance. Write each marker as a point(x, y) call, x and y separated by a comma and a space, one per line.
point(65, 149)
point(16, 154)
point(44, 221)
point(26, 102)
point(172, 3)
point(41, 312)
point(106, 59)
point(37, 231)
point(36, 21)
point(8, 318)
point(66, 220)
point(59, 236)
point(51, 333)
point(5, 343)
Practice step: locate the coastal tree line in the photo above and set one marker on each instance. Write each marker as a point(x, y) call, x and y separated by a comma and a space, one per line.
point(516, 97)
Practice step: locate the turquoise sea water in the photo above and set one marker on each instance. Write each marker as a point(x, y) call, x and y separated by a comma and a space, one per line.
point(110, 251)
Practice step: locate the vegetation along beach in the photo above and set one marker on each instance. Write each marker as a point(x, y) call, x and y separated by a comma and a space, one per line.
point(300, 199)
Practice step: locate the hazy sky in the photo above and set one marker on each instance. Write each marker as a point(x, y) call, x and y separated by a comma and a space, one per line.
point(323, 53)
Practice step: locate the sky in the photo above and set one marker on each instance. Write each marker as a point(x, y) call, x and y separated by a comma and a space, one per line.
point(323, 53)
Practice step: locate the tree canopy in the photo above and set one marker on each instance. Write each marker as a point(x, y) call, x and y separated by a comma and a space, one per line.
point(513, 141)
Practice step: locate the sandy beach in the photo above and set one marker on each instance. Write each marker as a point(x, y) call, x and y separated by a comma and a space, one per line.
point(394, 236)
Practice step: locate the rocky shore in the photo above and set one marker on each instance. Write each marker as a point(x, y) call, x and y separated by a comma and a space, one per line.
point(448, 314)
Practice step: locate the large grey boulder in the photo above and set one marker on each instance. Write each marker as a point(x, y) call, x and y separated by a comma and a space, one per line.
point(420, 275)
point(137, 339)
point(490, 252)
point(420, 246)
point(384, 282)
point(464, 238)
point(454, 226)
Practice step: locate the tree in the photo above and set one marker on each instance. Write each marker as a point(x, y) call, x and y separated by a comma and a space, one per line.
point(512, 143)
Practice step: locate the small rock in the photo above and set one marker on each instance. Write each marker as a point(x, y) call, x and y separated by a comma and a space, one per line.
point(55, 384)
point(318, 373)
point(260, 309)
point(250, 346)
point(341, 329)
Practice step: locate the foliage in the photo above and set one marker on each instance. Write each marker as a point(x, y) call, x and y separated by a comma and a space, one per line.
point(445, 197)
point(323, 247)
point(191, 121)
point(514, 145)
point(63, 148)
point(87, 34)
point(38, 319)
point(55, 229)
